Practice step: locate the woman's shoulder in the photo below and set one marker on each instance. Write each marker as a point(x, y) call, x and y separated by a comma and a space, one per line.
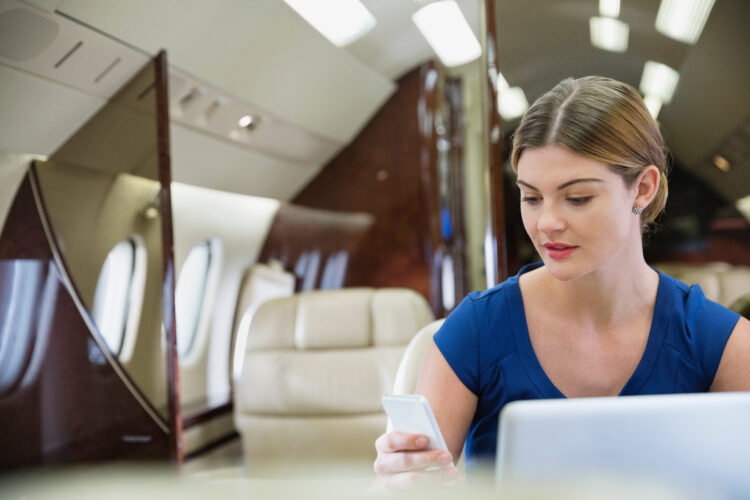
point(509, 287)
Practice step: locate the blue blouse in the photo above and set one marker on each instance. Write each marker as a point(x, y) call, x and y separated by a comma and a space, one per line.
point(486, 342)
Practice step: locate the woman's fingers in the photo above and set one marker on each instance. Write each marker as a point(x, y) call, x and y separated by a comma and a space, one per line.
point(398, 441)
point(392, 463)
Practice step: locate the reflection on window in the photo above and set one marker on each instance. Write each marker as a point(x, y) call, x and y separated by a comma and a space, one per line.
point(20, 294)
point(335, 271)
point(307, 269)
point(189, 295)
point(112, 296)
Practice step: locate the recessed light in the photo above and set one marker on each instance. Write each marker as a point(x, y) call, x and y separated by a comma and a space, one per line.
point(659, 80)
point(446, 30)
point(249, 122)
point(341, 21)
point(609, 34)
point(721, 163)
point(609, 8)
point(683, 20)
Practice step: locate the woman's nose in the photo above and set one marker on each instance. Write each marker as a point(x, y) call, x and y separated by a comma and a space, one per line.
point(550, 220)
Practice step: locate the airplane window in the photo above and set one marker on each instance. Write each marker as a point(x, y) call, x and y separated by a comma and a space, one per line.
point(307, 269)
point(113, 292)
point(189, 295)
point(334, 271)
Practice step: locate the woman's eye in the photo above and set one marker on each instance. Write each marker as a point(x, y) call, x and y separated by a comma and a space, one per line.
point(580, 201)
point(530, 199)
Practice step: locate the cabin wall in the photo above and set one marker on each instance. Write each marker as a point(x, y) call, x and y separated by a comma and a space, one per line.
point(379, 173)
point(13, 167)
point(238, 224)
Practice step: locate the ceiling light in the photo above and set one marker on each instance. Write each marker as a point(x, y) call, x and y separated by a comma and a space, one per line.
point(683, 20)
point(512, 103)
point(743, 205)
point(446, 30)
point(609, 8)
point(653, 104)
point(609, 34)
point(341, 21)
point(721, 163)
point(659, 80)
point(249, 122)
point(501, 83)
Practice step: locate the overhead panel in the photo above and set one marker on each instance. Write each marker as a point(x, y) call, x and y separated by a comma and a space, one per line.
point(260, 51)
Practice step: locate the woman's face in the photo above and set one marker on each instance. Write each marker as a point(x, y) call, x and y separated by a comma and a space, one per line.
point(577, 212)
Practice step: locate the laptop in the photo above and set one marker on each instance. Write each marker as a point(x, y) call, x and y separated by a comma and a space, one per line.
point(698, 443)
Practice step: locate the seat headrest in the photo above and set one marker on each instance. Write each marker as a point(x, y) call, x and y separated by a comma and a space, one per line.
point(339, 319)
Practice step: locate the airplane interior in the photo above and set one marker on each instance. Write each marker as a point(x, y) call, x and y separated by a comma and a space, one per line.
point(226, 233)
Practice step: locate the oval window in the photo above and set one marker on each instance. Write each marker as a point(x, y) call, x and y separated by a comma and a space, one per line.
point(113, 292)
point(189, 295)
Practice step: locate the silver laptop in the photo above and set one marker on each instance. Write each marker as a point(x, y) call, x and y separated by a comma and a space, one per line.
point(695, 442)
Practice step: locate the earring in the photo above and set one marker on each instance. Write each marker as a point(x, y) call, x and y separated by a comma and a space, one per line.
point(637, 210)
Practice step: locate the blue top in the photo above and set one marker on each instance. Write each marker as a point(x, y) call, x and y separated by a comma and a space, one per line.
point(486, 342)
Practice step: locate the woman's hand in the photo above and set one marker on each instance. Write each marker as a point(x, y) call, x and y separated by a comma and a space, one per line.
point(403, 458)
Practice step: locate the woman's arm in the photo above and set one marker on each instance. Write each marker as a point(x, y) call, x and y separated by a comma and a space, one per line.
point(733, 373)
point(453, 404)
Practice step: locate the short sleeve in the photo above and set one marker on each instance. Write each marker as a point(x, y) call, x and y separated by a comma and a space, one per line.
point(458, 341)
point(709, 326)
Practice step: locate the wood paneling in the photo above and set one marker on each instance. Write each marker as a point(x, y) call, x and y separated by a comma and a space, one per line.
point(493, 139)
point(380, 173)
point(71, 406)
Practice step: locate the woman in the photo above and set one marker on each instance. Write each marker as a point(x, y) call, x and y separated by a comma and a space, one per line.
point(593, 319)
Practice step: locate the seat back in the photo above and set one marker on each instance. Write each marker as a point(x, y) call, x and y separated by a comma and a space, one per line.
point(262, 282)
point(720, 282)
point(316, 367)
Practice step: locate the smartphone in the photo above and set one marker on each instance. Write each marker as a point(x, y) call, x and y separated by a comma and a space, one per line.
point(411, 414)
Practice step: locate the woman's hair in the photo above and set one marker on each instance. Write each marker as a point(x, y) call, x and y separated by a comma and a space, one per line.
point(601, 119)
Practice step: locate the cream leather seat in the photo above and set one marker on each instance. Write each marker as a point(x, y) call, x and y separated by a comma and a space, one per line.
point(720, 282)
point(316, 367)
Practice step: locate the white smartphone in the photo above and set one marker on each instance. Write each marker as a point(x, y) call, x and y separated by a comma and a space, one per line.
point(411, 414)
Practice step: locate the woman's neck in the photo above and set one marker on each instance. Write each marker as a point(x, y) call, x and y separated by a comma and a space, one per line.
point(607, 296)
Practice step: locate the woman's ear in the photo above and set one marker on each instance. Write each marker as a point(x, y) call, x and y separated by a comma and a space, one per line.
point(647, 185)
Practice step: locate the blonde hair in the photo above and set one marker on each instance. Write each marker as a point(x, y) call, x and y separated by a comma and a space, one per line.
point(601, 119)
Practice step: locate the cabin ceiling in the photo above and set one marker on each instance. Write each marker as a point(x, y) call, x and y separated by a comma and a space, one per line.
point(259, 57)
point(545, 41)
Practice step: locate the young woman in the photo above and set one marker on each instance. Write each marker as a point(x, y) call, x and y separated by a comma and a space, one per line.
point(593, 319)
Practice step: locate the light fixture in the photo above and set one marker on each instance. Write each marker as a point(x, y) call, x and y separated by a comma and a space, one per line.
point(340, 21)
point(501, 83)
point(683, 20)
point(721, 163)
point(659, 80)
point(609, 34)
point(743, 205)
point(249, 122)
point(653, 104)
point(446, 30)
point(512, 103)
point(609, 8)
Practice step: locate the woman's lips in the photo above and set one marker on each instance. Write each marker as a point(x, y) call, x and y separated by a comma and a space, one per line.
point(559, 251)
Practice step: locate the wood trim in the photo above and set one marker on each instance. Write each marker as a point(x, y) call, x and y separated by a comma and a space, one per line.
point(206, 414)
point(429, 77)
point(168, 295)
point(493, 140)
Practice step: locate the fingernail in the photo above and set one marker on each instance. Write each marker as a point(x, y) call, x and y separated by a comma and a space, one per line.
point(445, 458)
point(421, 442)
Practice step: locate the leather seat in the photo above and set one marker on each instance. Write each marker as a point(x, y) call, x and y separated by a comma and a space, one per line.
point(316, 367)
point(720, 282)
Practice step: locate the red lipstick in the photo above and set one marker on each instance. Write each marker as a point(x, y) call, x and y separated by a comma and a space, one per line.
point(556, 250)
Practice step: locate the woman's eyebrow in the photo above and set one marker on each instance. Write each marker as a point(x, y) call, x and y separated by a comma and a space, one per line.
point(561, 186)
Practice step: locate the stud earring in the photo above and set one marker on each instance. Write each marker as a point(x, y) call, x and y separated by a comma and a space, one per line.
point(637, 210)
